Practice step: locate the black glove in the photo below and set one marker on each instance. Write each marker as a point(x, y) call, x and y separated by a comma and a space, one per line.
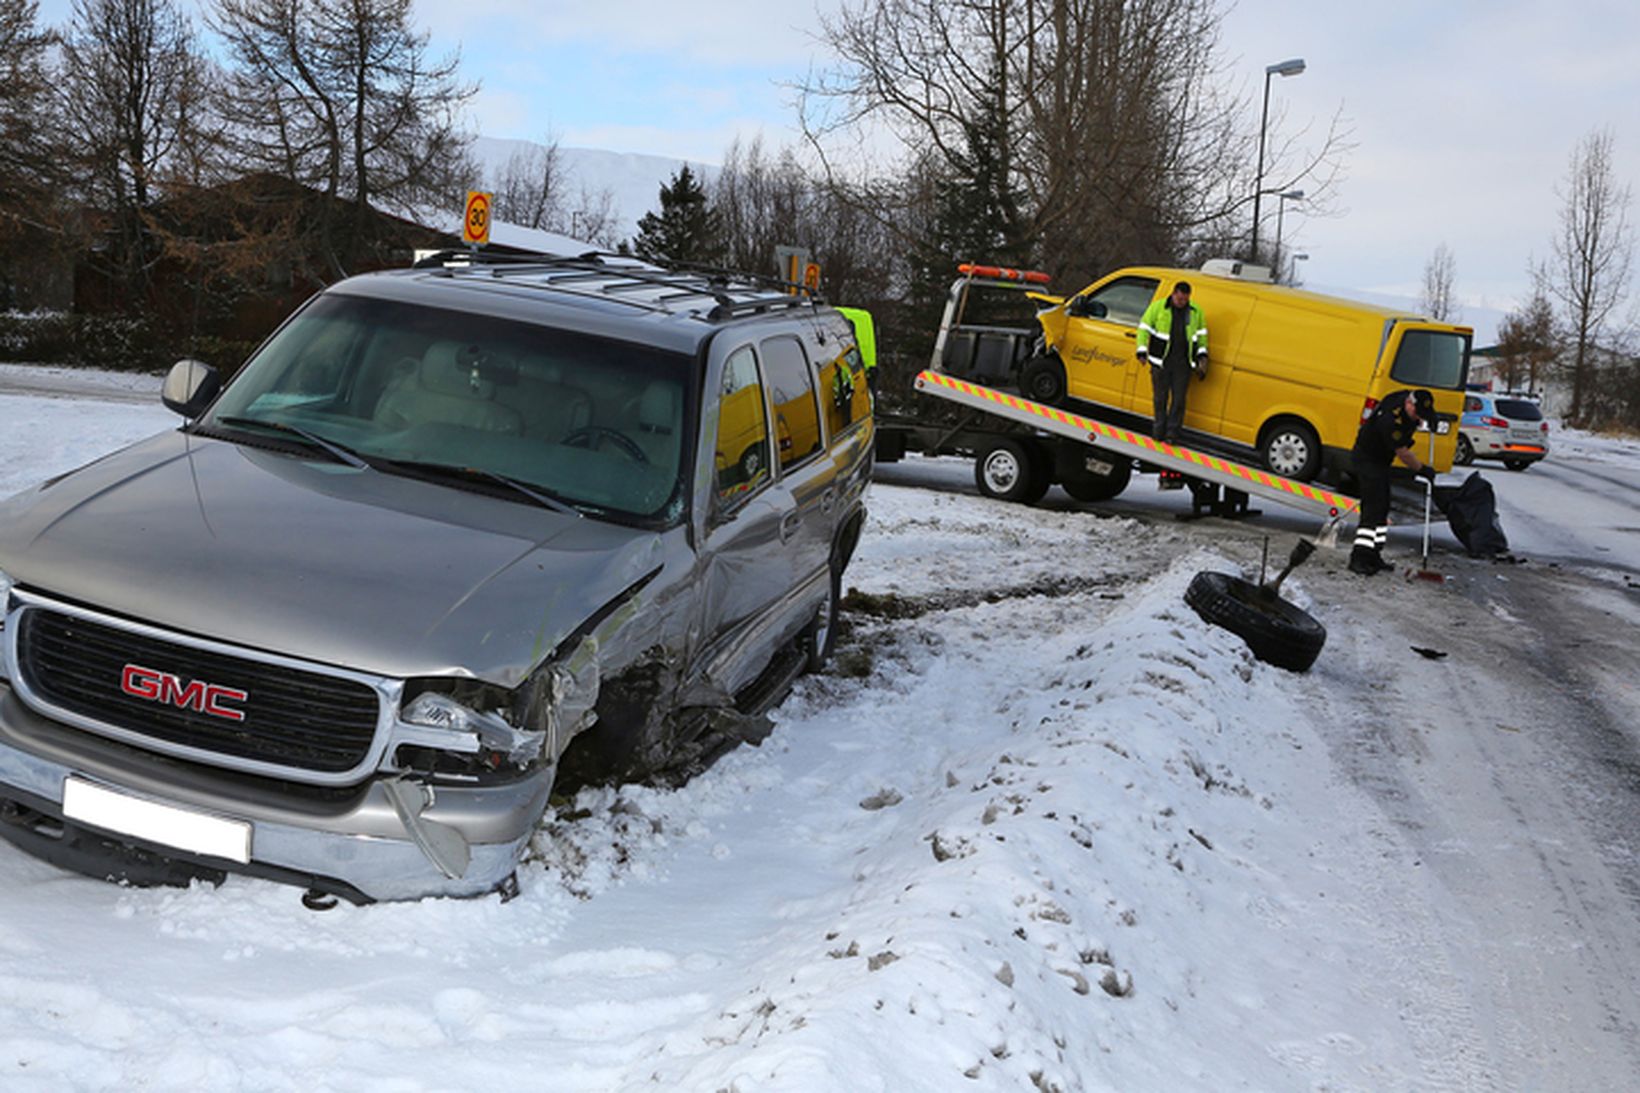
point(1426, 471)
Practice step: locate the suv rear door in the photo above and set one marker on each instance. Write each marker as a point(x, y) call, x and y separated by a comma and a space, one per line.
point(754, 522)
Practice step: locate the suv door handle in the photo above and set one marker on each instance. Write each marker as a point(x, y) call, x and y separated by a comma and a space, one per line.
point(789, 524)
point(827, 499)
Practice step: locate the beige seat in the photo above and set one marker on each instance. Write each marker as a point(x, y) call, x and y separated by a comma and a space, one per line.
point(660, 416)
point(441, 389)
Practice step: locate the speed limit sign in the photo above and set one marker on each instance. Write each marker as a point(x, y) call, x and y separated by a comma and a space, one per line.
point(475, 224)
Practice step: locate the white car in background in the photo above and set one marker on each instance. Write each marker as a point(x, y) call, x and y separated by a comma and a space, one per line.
point(1501, 426)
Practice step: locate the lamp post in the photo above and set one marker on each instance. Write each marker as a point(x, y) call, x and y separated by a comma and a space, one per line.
point(1283, 68)
point(1297, 258)
point(1281, 209)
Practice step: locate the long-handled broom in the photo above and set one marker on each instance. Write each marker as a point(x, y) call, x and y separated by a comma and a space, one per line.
point(1423, 572)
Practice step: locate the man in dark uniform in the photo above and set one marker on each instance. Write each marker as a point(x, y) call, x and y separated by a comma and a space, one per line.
point(1385, 436)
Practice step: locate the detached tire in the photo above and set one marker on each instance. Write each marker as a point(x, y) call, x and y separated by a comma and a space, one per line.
point(1276, 631)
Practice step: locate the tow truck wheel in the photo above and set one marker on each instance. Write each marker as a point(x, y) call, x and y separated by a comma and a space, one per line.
point(1042, 379)
point(1011, 470)
point(1276, 631)
point(1087, 485)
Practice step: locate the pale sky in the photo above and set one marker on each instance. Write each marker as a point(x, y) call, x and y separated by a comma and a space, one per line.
point(1463, 113)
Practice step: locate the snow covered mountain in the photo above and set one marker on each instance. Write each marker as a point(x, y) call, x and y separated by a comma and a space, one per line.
point(632, 178)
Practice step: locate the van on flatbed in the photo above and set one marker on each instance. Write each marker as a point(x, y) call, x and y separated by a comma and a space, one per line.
point(1291, 374)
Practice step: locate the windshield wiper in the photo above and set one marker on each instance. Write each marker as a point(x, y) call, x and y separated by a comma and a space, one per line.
point(451, 470)
point(341, 452)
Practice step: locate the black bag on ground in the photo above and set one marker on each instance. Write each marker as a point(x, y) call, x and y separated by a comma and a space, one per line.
point(1472, 512)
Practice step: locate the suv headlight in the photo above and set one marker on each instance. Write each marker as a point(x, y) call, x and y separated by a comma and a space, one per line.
point(492, 731)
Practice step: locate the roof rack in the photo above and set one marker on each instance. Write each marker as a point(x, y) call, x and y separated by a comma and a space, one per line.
point(590, 273)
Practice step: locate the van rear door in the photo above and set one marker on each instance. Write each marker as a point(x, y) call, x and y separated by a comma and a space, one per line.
point(1433, 356)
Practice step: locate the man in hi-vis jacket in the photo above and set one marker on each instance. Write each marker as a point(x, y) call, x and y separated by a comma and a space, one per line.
point(1173, 341)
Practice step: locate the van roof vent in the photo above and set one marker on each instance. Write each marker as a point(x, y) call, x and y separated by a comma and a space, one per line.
point(1241, 271)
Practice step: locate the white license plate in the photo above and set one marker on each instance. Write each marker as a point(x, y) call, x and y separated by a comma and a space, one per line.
point(167, 825)
point(1098, 466)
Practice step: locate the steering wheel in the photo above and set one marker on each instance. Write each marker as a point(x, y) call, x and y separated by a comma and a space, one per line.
point(587, 436)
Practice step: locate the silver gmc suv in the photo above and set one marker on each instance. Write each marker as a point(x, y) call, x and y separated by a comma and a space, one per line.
point(453, 535)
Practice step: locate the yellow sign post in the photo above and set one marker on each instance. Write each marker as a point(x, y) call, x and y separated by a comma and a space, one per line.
point(475, 223)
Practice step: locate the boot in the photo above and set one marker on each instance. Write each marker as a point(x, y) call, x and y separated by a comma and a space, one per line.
point(1366, 561)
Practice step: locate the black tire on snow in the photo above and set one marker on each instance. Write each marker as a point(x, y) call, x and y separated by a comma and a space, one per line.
point(1466, 452)
point(1276, 631)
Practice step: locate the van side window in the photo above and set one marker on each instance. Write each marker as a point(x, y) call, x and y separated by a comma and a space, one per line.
point(1431, 358)
point(1125, 299)
point(743, 428)
point(1471, 405)
point(791, 389)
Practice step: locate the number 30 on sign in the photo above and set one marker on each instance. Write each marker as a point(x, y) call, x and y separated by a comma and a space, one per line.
point(475, 225)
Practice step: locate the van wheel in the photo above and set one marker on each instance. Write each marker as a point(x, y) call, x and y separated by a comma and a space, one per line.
point(751, 463)
point(1466, 452)
point(1086, 485)
point(1011, 470)
point(1276, 631)
point(1291, 449)
point(1042, 379)
point(1517, 464)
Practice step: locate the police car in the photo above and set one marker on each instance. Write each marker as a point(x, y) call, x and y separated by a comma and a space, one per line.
point(1508, 427)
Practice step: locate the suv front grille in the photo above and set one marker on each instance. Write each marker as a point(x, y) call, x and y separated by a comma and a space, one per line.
point(292, 718)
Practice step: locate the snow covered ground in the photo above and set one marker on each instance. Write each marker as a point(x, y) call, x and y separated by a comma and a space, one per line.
point(1039, 827)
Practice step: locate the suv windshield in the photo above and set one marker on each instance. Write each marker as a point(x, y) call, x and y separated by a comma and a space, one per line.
point(412, 389)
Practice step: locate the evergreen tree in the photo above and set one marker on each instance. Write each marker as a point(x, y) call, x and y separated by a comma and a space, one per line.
point(686, 228)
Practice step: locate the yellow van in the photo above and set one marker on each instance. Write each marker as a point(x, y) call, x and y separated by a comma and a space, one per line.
point(1290, 373)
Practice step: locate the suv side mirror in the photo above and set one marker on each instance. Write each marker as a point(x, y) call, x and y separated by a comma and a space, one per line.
point(189, 387)
point(1084, 308)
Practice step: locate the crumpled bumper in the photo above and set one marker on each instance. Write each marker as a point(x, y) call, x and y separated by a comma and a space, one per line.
point(357, 842)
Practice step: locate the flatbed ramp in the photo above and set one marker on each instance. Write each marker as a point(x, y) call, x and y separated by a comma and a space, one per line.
point(1202, 466)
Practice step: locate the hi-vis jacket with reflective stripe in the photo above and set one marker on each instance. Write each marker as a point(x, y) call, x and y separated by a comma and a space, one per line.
point(1157, 328)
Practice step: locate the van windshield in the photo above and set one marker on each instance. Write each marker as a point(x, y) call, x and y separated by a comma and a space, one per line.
point(598, 424)
point(1432, 358)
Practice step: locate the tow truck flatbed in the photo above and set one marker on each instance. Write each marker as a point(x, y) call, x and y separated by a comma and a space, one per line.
point(1197, 466)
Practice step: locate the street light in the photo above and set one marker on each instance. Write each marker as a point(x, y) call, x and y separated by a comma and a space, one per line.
point(1281, 209)
point(1282, 68)
point(1297, 258)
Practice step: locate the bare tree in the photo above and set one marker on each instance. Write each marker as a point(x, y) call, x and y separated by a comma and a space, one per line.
point(530, 189)
point(26, 152)
point(29, 164)
point(1437, 299)
point(534, 190)
point(1104, 118)
point(340, 96)
point(765, 201)
point(1588, 273)
point(1527, 343)
point(133, 90)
